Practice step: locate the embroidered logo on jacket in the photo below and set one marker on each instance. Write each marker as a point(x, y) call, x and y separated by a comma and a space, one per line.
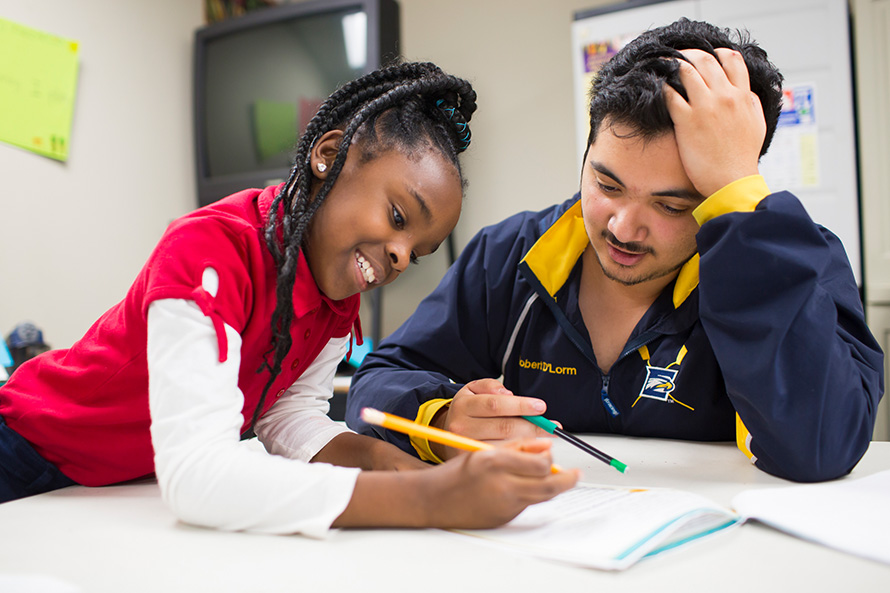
point(659, 384)
point(547, 367)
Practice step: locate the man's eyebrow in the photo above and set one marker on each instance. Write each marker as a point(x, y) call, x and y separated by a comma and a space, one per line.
point(680, 192)
point(598, 166)
point(424, 209)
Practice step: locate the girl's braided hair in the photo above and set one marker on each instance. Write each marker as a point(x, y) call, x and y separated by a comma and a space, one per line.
point(406, 106)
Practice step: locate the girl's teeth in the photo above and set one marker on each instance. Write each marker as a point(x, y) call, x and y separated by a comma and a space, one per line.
point(367, 270)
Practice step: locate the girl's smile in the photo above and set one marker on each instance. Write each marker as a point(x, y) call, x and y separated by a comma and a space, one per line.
point(381, 215)
point(365, 269)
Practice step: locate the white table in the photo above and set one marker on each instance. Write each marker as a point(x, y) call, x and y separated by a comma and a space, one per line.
point(123, 539)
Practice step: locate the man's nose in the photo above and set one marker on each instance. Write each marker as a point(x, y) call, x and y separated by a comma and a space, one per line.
point(628, 225)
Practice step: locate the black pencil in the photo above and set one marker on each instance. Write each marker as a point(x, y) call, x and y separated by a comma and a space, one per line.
point(551, 427)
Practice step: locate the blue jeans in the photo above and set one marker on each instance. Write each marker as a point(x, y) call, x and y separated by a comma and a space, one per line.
point(23, 471)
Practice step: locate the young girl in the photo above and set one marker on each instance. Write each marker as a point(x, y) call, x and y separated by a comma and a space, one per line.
point(238, 321)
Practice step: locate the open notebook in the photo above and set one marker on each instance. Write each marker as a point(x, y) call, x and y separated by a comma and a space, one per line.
point(612, 528)
point(850, 515)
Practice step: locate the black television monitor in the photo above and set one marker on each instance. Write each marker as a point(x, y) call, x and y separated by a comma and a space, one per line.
point(259, 78)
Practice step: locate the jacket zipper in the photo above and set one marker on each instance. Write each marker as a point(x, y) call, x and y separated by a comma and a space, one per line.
point(604, 393)
point(641, 341)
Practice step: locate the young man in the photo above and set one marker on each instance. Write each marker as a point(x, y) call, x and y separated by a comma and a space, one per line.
point(674, 296)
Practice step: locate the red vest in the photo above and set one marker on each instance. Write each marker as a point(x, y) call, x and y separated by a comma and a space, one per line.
point(85, 409)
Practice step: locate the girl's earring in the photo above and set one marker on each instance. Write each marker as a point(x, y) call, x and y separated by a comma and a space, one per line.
point(321, 167)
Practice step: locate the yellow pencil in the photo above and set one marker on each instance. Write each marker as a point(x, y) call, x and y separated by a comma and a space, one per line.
point(431, 433)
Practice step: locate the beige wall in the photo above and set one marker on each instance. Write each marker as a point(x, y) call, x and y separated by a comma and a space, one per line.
point(75, 234)
point(518, 57)
point(517, 54)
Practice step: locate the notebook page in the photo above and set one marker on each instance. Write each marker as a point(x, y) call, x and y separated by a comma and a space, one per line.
point(606, 527)
point(851, 515)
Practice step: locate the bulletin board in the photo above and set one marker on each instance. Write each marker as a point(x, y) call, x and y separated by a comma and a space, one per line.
point(813, 153)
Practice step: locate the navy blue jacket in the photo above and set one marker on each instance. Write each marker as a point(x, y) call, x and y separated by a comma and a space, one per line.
point(761, 339)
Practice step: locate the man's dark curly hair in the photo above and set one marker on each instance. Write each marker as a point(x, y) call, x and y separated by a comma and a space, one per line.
point(629, 87)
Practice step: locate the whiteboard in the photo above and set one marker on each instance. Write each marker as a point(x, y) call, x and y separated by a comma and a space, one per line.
point(813, 153)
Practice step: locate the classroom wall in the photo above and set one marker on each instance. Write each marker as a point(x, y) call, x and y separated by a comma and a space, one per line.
point(73, 235)
point(522, 157)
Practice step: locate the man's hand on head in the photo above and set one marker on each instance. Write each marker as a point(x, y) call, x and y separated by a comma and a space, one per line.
point(720, 128)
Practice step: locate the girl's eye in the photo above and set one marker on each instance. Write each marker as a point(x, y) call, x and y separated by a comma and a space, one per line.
point(399, 221)
point(397, 218)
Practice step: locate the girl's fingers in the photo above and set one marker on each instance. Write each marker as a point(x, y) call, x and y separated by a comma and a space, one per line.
point(530, 475)
point(539, 490)
point(520, 463)
point(531, 445)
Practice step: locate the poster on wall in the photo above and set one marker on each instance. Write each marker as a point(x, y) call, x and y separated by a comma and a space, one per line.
point(599, 34)
point(38, 82)
point(792, 162)
point(595, 53)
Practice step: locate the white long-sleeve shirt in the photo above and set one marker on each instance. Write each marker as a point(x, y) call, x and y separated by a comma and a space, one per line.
point(208, 476)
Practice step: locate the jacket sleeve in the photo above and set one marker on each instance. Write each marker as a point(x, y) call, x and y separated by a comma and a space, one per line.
point(782, 310)
point(452, 338)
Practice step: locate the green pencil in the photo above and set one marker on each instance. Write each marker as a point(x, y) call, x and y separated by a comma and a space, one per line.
point(551, 427)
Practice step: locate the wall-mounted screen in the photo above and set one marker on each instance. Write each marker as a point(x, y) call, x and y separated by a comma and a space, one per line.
point(260, 78)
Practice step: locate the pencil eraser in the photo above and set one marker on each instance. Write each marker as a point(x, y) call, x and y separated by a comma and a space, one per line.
point(619, 466)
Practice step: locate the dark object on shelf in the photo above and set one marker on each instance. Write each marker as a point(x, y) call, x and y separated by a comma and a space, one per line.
point(218, 10)
point(25, 341)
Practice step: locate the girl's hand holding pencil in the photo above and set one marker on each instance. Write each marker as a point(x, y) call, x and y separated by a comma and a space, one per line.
point(486, 488)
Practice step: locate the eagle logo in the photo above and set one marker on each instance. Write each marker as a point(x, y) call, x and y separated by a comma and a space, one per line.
point(659, 384)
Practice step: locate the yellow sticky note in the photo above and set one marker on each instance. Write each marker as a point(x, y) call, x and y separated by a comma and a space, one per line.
point(38, 82)
point(809, 160)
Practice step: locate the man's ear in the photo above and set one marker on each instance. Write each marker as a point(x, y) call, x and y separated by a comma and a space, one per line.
point(324, 152)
